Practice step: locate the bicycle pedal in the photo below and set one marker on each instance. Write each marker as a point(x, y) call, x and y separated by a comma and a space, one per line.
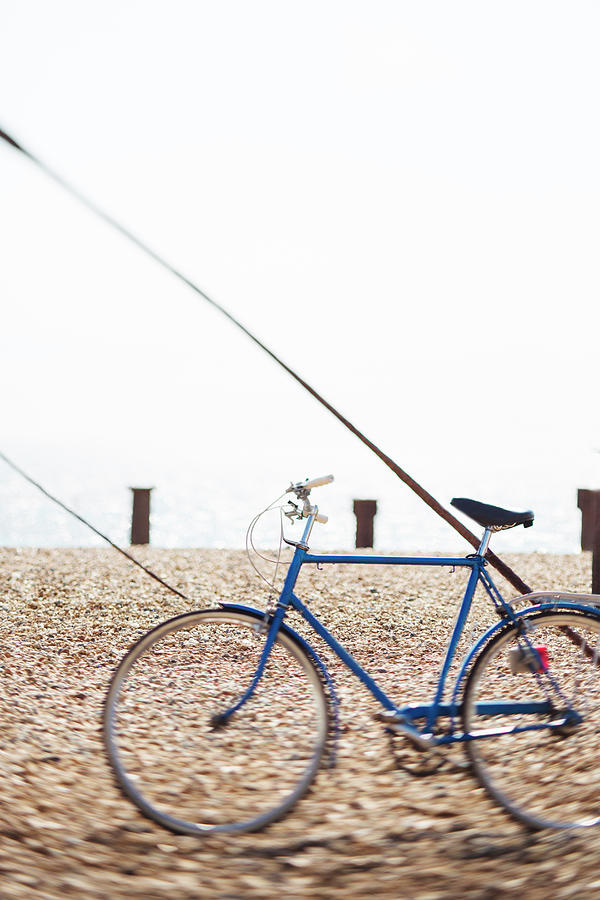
point(397, 724)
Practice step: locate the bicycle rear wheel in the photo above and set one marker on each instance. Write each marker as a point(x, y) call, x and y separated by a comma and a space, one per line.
point(544, 775)
point(160, 735)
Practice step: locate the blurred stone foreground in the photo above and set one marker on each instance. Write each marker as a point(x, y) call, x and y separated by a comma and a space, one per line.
point(366, 830)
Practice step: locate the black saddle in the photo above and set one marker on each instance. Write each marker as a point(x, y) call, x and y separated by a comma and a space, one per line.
point(493, 517)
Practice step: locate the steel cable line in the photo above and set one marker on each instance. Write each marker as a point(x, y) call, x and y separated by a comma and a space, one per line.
point(424, 495)
point(76, 515)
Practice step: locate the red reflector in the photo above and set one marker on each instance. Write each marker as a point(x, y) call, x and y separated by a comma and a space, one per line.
point(522, 659)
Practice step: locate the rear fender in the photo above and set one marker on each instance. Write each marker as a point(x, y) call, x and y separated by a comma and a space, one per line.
point(480, 644)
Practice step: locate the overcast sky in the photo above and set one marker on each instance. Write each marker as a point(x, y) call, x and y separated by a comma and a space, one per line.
point(401, 199)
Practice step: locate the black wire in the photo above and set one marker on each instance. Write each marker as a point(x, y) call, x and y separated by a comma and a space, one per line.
point(424, 495)
point(72, 512)
point(404, 476)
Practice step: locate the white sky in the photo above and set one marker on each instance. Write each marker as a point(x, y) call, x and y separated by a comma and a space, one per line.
point(401, 199)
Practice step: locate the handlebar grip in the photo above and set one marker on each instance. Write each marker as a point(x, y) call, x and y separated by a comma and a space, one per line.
point(322, 519)
point(317, 482)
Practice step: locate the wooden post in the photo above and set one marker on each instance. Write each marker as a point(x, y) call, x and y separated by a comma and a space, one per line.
point(589, 504)
point(596, 548)
point(364, 510)
point(140, 516)
point(586, 501)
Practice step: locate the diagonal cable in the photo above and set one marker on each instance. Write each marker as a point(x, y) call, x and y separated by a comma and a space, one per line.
point(424, 495)
point(72, 512)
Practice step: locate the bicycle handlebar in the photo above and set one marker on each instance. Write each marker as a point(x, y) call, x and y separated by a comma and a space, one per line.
point(314, 482)
point(317, 482)
point(302, 489)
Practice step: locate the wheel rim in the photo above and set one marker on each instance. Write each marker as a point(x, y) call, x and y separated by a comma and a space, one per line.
point(544, 777)
point(194, 778)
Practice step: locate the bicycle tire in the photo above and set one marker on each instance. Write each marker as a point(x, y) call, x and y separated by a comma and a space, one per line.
point(544, 778)
point(160, 736)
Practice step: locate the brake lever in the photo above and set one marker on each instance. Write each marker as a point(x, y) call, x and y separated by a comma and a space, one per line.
point(293, 512)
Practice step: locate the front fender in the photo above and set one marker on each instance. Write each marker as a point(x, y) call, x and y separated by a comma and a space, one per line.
point(258, 614)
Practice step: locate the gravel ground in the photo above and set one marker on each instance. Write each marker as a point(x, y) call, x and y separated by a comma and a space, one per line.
point(368, 829)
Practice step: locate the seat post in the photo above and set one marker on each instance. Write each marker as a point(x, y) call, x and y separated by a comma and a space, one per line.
point(485, 540)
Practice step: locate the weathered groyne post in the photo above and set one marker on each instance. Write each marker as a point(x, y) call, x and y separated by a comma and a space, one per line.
point(589, 504)
point(140, 516)
point(365, 511)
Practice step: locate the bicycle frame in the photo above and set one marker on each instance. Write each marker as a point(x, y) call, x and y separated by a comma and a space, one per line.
point(289, 600)
point(256, 665)
point(406, 718)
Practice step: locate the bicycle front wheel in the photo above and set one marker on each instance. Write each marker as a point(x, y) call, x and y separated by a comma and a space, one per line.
point(532, 717)
point(183, 767)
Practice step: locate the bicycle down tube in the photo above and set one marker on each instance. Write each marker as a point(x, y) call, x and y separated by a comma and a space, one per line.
point(288, 598)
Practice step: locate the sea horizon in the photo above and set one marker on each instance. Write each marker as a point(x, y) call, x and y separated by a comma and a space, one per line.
point(203, 507)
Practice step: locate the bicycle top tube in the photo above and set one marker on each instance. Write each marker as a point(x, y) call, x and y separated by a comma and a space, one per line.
point(464, 561)
point(303, 554)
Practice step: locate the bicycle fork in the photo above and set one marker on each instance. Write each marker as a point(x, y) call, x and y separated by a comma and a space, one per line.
point(220, 720)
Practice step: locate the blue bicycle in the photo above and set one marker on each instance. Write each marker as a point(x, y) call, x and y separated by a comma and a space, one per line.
point(218, 720)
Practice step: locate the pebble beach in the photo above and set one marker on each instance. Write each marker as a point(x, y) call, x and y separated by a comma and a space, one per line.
point(374, 826)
